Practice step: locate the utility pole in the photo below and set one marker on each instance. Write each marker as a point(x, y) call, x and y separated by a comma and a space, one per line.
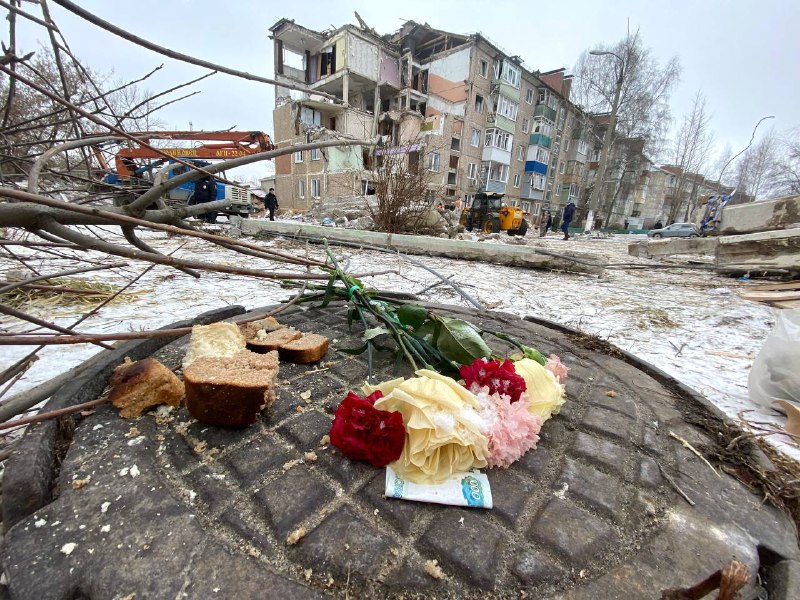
point(599, 181)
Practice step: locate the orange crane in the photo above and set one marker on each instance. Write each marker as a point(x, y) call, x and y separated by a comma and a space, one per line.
point(233, 145)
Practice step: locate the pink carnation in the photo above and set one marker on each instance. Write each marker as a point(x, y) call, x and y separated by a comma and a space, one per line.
point(557, 368)
point(512, 428)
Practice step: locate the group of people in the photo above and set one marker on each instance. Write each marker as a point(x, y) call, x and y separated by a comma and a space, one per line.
point(205, 190)
point(546, 220)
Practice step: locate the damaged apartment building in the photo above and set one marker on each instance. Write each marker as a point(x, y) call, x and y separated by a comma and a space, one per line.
point(457, 105)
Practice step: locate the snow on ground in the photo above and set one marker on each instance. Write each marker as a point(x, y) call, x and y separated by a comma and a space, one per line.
point(690, 323)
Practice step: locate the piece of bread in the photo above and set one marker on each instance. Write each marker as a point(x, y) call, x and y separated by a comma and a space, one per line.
point(231, 391)
point(307, 349)
point(217, 339)
point(273, 340)
point(251, 329)
point(137, 386)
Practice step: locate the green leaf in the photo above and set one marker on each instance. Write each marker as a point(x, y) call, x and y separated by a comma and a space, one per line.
point(412, 315)
point(328, 292)
point(354, 351)
point(374, 332)
point(534, 354)
point(460, 341)
point(427, 331)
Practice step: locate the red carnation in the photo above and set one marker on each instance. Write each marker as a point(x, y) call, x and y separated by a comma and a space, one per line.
point(498, 377)
point(362, 432)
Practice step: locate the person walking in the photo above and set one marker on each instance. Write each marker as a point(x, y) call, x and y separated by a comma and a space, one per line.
point(271, 203)
point(566, 219)
point(205, 190)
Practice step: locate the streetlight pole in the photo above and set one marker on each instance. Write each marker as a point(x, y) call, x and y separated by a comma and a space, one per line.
point(609, 134)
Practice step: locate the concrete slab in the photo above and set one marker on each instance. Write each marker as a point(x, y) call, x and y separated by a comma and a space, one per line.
point(173, 508)
point(528, 255)
point(764, 215)
point(767, 250)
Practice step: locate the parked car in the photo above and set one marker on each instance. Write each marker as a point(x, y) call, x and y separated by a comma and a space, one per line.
point(675, 230)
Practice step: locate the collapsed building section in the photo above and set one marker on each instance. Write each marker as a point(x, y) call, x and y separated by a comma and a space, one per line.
point(455, 105)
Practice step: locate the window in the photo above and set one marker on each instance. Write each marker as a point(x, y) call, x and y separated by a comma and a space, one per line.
point(573, 190)
point(315, 188)
point(566, 146)
point(542, 126)
point(537, 181)
point(583, 147)
point(553, 163)
point(521, 152)
point(562, 167)
point(558, 190)
point(542, 155)
point(526, 125)
point(298, 157)
point(315, 154)
point(455, 144)
point(542, 95)
point(478, 103)
point(301, 188)
point(498, 138)
point(484, 68)
point(507, 108)
point(511, 74)
point(476, 138)
point(433, 161)
point(516, 180)
point(471, 168)
point(327, 61)
point(529, 96)
point(496, 171)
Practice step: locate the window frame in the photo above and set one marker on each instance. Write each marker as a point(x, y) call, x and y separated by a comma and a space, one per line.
point(301, 188)
point(298, 157)
point(315, 154)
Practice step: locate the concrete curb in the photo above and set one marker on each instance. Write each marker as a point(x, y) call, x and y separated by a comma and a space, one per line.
point(505, 254)
point(31, 471)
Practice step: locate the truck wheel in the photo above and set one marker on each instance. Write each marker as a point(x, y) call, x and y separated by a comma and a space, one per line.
point(523, 228)
point(491, 225)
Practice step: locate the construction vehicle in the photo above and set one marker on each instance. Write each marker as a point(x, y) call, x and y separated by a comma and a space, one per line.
point(139, 164)
point(490, 214)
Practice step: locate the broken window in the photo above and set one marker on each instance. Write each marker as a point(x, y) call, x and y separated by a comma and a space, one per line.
point(327, 61)
point(367, 187)
point(478, 103)
point(476, 138)
point(484, 68)
point(310, 117)
point(433, 161)
point(451, 179)
point(455, 144)
point(453, 162)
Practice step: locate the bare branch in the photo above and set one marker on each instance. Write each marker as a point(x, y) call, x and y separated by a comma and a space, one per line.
point(74, 8)
point(18, 314)
point(17, 284)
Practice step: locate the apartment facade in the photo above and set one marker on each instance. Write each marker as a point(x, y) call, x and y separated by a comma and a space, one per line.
point(476, 116)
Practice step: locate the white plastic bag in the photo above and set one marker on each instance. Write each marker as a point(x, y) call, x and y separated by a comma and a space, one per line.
point(775, 374)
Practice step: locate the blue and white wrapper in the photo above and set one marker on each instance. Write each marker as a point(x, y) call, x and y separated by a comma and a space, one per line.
point(464, 489)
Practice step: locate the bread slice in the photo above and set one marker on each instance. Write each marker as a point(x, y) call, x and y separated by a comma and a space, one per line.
point(231, 391)
point(137, 386)
point(307, 349)
point(273, 340)
point(217, 339)
point(251, 329)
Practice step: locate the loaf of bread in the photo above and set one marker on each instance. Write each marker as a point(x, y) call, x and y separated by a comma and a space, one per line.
point(231, 391)
point(217, 339)
point(266, 342)
point(137, 386)
point(308, 349)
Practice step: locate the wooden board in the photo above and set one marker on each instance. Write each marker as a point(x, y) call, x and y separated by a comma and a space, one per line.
point(769, 287)
point(776, 296)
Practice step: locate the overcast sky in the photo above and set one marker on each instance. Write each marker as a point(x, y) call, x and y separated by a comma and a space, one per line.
point(744, 55)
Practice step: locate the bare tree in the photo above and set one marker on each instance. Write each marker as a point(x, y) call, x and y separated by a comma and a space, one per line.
point(625, 81)
point(690, 153)
point(755, 169)
point(786, 171)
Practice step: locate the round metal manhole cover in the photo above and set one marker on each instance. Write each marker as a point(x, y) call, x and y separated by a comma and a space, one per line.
point(584, 500)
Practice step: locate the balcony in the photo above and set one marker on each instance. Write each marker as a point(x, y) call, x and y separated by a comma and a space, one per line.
point(540, 139)
point(494, 186)
point(501, 86)
point(534, 166)
point(542, 110)
point(491, 153)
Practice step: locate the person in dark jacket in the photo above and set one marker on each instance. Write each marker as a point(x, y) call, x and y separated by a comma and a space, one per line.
point(205, 190)
point(566, 219)
point(271, 203)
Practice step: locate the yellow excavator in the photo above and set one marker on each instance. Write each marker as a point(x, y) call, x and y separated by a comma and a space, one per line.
point(489, 214)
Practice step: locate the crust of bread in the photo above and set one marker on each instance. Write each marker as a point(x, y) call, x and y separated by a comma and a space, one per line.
point(310, 348)
point(273, 340)
point(231, 391)
point(138, 386)
point(218, 339)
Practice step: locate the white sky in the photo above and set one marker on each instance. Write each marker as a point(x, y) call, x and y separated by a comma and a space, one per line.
point(743, 54)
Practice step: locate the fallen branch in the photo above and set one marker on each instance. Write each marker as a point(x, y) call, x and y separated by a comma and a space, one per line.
point(53, 414)
point(729, 581)
point(674, 485)
point(13, 286)
point(691, 448)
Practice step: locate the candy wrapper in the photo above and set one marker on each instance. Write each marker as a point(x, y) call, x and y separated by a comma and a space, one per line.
point(463, 489)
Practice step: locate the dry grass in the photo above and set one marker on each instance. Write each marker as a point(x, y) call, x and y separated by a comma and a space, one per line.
point(68, 291)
